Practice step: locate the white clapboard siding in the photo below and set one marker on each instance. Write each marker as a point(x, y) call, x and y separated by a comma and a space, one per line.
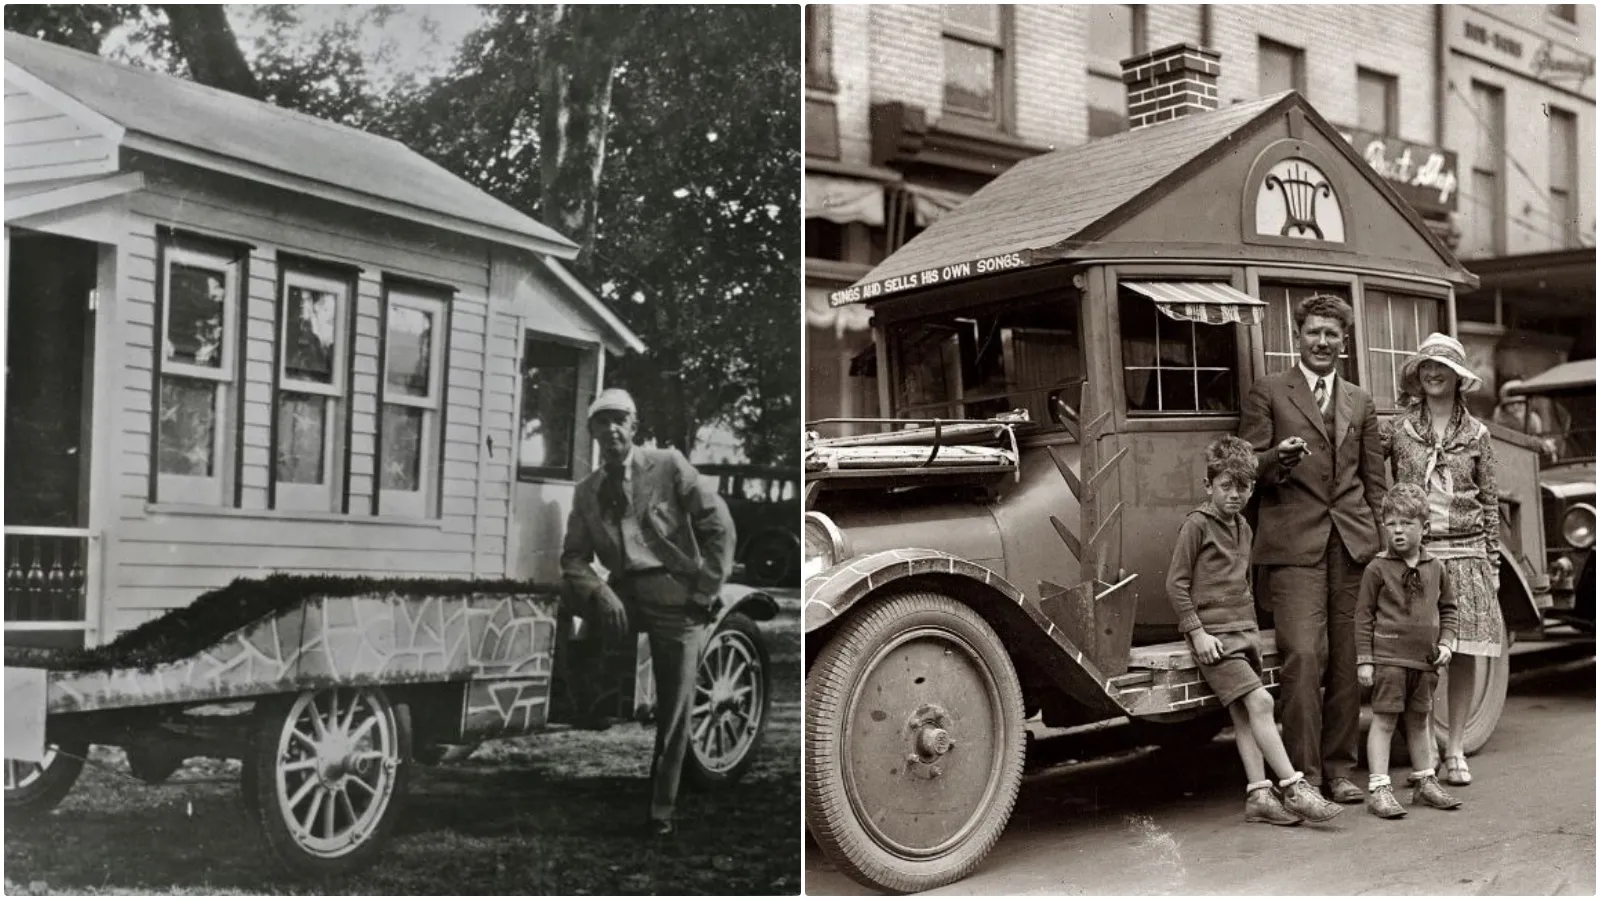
point(43, 143)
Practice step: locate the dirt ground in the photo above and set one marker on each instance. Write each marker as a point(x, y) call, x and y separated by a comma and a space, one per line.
point(557, 813)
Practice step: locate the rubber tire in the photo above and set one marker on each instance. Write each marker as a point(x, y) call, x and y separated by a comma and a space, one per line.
point(257, 786)
point(829, 683)
point(1486, 717)
point(1583, 607)
point(42, 796)
point(772, 560)
point(693, 769)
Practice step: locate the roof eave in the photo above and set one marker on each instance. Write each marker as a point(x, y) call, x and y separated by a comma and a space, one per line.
point(622, 334)
point(157, 146)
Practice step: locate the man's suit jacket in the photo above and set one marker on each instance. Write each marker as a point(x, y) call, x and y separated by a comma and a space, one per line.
point(684, 524)
point(1339, 485)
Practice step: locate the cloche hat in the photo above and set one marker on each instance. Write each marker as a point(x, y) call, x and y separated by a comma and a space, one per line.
point(1442, 349)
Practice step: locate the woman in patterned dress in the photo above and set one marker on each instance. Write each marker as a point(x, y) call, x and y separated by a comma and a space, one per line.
point(1439, 446)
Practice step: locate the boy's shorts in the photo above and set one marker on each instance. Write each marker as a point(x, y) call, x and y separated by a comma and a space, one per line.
point(1238, 671)
point(1397, 689)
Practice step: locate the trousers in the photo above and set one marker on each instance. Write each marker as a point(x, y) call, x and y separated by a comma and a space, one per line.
point(658, 604)
point(1314, 613)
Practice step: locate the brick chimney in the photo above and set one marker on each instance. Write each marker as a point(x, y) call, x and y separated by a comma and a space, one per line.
point(1169, 83)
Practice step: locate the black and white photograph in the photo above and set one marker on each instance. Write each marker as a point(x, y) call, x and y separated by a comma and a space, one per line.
point(1199, 449)
point(402, 440)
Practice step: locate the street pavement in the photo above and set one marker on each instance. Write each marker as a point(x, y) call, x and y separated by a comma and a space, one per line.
point(1140, 822)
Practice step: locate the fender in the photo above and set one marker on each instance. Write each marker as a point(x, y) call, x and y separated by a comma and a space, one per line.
point(737, 598)
point(1519, 602)
point(1026, 631)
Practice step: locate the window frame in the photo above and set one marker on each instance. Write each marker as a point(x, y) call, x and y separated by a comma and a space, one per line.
point(1496, 206)
point(1391, 100)
point(819, 47)
point(999, 43)
point(421, 503)
point(1370, 353)
point(1350, 284)
point(1239, 367)
point(1297, 64)
point(1567, 229)
point(323, 496)
point(584, 353)
point(224, 379)
point(1107, 71)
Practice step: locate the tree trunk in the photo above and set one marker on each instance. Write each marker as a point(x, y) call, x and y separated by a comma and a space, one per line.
point(207, 43)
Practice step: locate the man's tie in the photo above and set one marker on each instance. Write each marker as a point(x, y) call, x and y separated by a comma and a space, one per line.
point(1321, 395)
point(614, 493)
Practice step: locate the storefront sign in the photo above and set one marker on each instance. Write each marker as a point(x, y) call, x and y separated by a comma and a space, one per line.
point(1521, 50)
point(1424, 176)
point(987, 265)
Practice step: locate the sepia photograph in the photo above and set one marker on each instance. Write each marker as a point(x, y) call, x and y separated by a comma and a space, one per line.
point(1199, 449)
point(402, 442)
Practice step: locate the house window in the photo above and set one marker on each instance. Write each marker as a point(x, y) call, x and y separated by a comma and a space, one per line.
point(547, 436)
point(1395, 325)
point(199, 321)
point(819, 47)
point(1566, 12)
point(311, 401)
point(413, 393)
point(1277, 325)
point(1116, 32)
point(1564, 177)
point(1377, 96)
point(1280, 68)
point(1170, 366)
point(974, 61)
point(1488, 219)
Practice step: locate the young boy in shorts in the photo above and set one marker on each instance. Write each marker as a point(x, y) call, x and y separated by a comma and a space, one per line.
point(1405, 631)
point(1208, 585)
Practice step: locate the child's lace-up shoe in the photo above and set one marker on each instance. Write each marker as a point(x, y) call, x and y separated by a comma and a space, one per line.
point(1263, 805)
point(1426, 791)
point(1381, 803)
point(1306, 802)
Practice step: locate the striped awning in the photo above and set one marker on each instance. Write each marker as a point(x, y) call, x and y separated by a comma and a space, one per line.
point(1206, 302)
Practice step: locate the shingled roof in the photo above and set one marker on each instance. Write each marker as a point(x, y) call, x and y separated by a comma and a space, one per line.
point(171, 117)
point(1051, 198)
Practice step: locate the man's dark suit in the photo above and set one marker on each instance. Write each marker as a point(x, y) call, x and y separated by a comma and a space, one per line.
point(687, 528)
point(1317, 528)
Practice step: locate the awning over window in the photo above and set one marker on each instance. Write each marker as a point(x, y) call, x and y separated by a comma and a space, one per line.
point(843, 200)
point(1206, 302)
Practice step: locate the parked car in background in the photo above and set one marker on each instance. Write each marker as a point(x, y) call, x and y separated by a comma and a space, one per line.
point(1563, 398)
point(765, 504)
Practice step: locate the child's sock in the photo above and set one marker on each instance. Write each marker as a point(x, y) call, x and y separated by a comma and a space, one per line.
point(1419, 774)
point(1254, 786)
point(1375, 781)
point(1298, 776)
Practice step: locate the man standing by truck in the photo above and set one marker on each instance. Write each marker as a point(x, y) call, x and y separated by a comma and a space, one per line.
point(1320, 479)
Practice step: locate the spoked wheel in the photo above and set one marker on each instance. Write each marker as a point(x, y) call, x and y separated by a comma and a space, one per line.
point(729, 711)
point(327, 776)
point(914, 742)
point(35, 788)
point(772, 559)
point(1491, 677)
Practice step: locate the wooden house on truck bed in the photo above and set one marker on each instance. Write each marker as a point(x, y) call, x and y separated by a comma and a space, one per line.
point(242, 339)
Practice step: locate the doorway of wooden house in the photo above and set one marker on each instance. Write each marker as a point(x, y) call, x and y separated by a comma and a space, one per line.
point(49, 365)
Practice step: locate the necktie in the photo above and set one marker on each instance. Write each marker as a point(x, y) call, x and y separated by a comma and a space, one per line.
point(1322, 394)
point(613, 493)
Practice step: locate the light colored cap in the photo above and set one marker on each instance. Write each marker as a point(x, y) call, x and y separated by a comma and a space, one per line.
point(613, 400)
point(1445, 350)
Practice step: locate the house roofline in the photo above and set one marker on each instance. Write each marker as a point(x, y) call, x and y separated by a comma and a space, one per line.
point(595, 305)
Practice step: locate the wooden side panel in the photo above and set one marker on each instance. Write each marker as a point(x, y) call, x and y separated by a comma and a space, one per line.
point(43, 143)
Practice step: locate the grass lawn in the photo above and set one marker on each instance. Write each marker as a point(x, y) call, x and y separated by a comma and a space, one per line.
point(557, 813)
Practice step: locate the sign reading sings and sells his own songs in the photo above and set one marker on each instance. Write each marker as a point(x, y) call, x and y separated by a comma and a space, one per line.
point(1424, 176)
point(988, 265)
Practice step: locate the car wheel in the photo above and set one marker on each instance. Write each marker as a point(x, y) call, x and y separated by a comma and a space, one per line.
point(772, 560)
point(1488, 700)
point(732, 696)
point(33, 789)
point(914, 742)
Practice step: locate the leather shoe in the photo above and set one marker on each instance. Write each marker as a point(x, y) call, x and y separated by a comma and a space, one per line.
point(1382, 803)
point(1263, 805)
point(1303, 800)
point(1343, 790)
point(662, 828)
point(1425, 791)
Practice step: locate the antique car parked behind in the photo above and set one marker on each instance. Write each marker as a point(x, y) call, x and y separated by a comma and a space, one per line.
point(1056, 354)
point(765, 504)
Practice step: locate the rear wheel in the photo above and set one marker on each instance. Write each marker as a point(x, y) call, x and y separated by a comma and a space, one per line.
point(914, 742)
point(728, 711)
point(772, 559)
point(1492, 676)
point(33, 789)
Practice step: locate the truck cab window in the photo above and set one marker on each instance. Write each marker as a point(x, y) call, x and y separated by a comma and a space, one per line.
point(1172, 366)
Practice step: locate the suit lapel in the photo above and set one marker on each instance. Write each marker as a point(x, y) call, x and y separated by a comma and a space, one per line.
point(1344, 410)
point(1300, 396)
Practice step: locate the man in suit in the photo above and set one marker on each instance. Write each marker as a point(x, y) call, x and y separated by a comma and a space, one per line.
point(1320, 481)
point(667, 544)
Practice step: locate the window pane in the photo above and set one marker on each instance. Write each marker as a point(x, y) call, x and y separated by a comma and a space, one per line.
point(1108, 106)
point(1215, 346)
point(549, 406)
point(311, 326)
point(1373, 100)
point(302, 438)
point(1177, 342)
point(1219, 391)
point(969, 75)
point(1489, 127)
point(1564, 218)
point(1562, 149)
point(188, 426)
point(410, 346)
point(819, 44)
point(1278, 64)
point(197, 299)
point(979, 17)
point(402, 448)
point(1111, 33)
point(1487, 203)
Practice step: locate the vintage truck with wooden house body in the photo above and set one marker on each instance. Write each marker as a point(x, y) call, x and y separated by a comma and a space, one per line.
point(1055, 354)
point(336, 392)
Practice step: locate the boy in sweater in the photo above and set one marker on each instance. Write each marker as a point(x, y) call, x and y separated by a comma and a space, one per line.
point(1208, 585)
point(1405, 631)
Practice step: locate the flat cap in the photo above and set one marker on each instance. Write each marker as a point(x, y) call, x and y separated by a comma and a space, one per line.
point(613, 399)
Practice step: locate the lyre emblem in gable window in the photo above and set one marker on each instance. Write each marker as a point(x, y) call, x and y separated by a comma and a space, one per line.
point(1295, 200)
point(1300, 195)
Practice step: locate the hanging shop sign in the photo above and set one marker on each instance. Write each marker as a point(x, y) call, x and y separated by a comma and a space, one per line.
point(1522, 50)
point(1424, 176)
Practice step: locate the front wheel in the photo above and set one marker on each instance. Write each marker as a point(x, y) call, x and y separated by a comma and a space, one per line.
point(1492, 676)
point(914, 742)
point(326, 776)
point(772, 559)
point(33, 789)
point(731, 699)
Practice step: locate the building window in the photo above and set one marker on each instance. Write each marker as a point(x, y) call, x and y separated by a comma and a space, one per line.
point(1378, 99)
point(199, 322)
point(1116, 32)
point(1395, 325)
point(1564, 177)
point(413, 393)
point(311, 401)
point(1280, 68)
point(1488, 219)
point(549, 422)
point(974, 61)
point(1566, 12)
point(1176, 367)
point(1277, 326)
point(819, 47)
